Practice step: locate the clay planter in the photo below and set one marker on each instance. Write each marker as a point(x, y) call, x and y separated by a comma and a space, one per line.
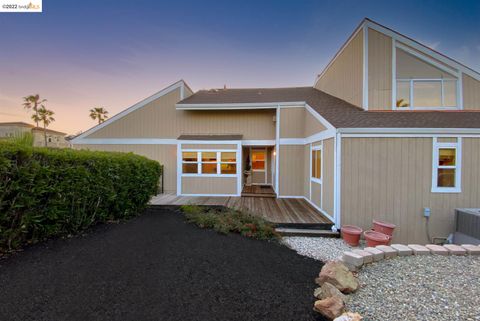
point(383, 227)
point(374, 238)
point(351, 234)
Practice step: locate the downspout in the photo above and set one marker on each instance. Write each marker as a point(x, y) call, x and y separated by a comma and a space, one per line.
point(277, 149)
point(337, 180)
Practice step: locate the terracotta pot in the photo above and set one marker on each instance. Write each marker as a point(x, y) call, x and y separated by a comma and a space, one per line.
point(383, 227)
point(351, 234)
point(375, 238)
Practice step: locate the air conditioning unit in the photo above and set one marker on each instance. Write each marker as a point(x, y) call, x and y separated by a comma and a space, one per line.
point(467, 226)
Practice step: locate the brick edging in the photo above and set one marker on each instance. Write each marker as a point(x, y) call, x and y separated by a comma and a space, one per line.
point(356, 258)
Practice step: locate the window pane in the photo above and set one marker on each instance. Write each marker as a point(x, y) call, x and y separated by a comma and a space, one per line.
point(229, 157)
point(446, 177)
point(427, 93)
point(403, 94)
point(209, 168)
point(189, 156)
point(190, 168)
point(446, 157)
point(313, 162)
point(229, 168)
point(258, 159)
point(318, 164)
point(449, 93)
point(209, 156)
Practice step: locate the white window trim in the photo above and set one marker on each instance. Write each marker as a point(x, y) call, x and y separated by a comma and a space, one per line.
point(199, 163)
point(411, 82)
point(316, 148)
point(458, 166)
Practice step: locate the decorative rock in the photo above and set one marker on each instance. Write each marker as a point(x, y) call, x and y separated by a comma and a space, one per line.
point(350, 267)
point(402, 250)
point(455, 249)
point(327, 290)
point(318, 293)
point(377, 254)
point(330, 308)
point(349, 316)
point(437, 249)
point(367, 256)
point(388, 252)
point(352, 258)
point(337, 274)
point(419, 249)
point(472, 249)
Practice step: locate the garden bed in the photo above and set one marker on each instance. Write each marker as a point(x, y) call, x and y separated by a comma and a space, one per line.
point(157, 267)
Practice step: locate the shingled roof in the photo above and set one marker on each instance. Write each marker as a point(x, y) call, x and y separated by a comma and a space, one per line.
point(338, 112)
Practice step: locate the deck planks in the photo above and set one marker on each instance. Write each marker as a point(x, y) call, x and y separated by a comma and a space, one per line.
point(276, 210)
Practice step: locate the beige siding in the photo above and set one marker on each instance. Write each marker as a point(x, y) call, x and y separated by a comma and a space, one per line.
point(471, 93)
point(291, 164)
point(344, 77)
point(390, 179)
point(379, 71)
point(209, 185)
point(328, 175)
point(160, 119)
point(312, 125)
point(316, 194)
point(292, 122)
point(409, 66)
point(298, 122)
point(164, 154)
point(209, 146)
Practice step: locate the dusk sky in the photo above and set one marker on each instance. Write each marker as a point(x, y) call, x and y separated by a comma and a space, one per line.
point(84, 54)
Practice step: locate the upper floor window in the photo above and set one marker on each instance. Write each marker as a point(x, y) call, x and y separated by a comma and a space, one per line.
point(422, 83)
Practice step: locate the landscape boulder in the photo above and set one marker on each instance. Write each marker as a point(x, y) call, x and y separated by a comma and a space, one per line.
point(338, 275)
point(330, 308)
point(328, 290)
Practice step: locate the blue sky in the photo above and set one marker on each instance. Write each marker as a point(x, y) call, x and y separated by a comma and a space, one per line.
point(82, 54)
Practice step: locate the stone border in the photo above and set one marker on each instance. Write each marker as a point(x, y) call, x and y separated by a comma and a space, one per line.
point(356, 258)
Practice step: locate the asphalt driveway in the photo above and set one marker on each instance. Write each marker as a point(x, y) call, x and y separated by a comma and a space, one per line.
point(156, 267)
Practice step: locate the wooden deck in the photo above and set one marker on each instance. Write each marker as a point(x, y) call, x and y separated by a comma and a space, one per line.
point(275, 210)
point(258, 191)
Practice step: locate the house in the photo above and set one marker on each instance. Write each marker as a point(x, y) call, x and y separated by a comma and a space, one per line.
point(54, 138)
point(389, 130)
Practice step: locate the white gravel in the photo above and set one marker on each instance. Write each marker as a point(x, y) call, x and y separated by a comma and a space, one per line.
point(426, 288)
point(319, 248)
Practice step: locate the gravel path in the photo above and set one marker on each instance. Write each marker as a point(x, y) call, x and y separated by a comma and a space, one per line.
point(426, 288)
point(423, 288)
point(319, 248)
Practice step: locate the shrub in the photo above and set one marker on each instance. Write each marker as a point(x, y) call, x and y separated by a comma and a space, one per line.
point(55, 192)
point(230, 221)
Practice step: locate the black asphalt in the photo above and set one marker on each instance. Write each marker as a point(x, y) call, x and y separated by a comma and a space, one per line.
point(156, 267)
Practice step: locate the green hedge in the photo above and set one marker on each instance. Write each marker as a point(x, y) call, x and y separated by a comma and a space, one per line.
point(56, 192)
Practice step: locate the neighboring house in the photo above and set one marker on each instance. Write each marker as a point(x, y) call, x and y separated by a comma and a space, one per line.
point(54, 138)
point(389, 128)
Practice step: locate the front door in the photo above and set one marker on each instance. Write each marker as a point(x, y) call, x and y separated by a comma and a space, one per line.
point(258, 157)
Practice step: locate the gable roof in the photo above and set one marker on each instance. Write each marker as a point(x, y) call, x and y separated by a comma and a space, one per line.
point(369, 23)
point(337, 112)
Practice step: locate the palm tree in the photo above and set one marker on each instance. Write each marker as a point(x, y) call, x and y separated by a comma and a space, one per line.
point(99, 113)
point(33, 102)
point(45, 116)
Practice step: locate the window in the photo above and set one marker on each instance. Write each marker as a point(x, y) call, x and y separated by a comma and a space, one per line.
point(258, 160)
point(209, 163)
point(426, 93)
point(316, 173)
point(446, 172)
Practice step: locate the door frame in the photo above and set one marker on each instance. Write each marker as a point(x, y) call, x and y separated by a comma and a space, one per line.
point(265, 170)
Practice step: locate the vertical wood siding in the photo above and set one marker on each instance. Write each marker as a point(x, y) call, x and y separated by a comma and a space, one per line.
point(379, 71)
point(209, 185)
point(390, 179)
point(344, 77)
point(328, 187)
point(316, 194)
point(471, 93)
point(164, 154)
point(291, 168)
point(160, 119)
